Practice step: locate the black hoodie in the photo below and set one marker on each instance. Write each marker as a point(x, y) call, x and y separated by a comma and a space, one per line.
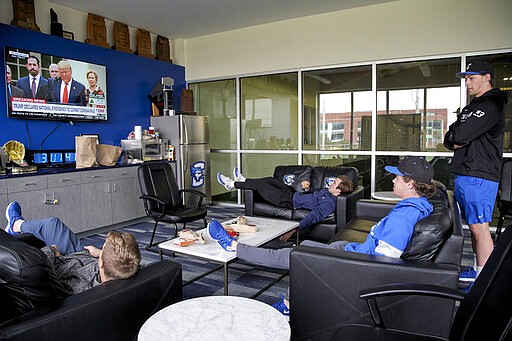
point(479, 130)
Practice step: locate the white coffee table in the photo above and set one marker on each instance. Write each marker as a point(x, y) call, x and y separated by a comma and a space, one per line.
point(216, 318)
point(268, 229)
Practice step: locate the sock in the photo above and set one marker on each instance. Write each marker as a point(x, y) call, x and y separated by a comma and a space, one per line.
point(17, 225)
point(478, 270)
point(233, 246)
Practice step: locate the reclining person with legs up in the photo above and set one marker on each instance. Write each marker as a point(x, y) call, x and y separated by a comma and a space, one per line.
point(79, 267)
point(322, 203)
point(388, 237)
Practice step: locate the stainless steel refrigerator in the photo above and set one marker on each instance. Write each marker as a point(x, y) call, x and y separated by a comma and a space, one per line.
point(189, 136)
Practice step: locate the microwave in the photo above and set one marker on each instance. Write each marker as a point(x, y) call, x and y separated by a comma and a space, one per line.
point(146, 150)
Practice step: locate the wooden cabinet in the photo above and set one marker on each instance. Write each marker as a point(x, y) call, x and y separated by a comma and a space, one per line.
point(96, 196)
point(30, 192)
point(114, 194)
point(83, 200)
point(126, 185)
point(64, 200)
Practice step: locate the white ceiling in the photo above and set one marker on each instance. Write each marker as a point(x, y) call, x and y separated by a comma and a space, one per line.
point(181, 19)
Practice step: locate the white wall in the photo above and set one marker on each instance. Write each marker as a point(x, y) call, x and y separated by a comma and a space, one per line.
point(400, 29)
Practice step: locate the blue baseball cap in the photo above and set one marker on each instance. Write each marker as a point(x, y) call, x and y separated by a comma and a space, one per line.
point(414, 167)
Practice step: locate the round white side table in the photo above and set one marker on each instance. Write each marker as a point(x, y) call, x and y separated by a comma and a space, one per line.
point(216, 318)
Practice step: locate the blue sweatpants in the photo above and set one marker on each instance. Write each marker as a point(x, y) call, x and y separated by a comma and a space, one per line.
point(52, 231)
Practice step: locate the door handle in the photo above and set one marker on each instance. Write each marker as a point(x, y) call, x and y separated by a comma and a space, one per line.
point(52, 201)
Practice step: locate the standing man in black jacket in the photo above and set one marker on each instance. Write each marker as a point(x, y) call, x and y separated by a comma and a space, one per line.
point(477, 141)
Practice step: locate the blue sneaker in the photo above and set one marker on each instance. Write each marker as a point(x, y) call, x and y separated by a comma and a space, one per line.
point(225, 181)
point(217, 233)
point(283, 309)
point(12, 213)
point(468, 275)
point(237, 175)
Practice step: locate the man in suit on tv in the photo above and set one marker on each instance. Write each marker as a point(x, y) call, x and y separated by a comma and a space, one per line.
point(64, 89)
point(33, 85)
point(12, 91)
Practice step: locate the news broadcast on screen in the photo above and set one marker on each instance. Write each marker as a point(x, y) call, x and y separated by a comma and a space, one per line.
point(45, 86)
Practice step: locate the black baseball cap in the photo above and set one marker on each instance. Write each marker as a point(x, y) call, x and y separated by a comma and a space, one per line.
point(477, 68)
point(414, 167)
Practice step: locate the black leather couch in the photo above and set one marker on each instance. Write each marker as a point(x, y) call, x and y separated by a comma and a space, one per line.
point(325, 284)
point(115, 310)
point(326, 229)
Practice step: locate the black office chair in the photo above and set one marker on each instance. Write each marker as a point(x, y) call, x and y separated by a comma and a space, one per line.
point(163, 200)
point(484, 312)
point(504, 199)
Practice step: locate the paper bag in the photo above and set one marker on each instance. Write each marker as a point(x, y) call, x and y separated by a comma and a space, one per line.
point(108, 155)
point(86, 147)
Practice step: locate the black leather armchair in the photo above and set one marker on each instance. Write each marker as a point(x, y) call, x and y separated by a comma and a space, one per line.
point(325, 284)
point(484, 312)
point(504, 199)
point(326, 229)
point(115, 310)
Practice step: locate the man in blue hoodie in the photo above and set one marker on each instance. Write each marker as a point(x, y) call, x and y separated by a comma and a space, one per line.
point(388, 237)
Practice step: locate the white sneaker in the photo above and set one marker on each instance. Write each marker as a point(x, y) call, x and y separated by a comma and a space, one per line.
point(237, 175)
point(225, 181)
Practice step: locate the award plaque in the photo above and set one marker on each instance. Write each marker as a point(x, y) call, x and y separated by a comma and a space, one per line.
point(162, 49)
point(144, 43)
point(24, 14)
point(121, 38)
point(96, 30)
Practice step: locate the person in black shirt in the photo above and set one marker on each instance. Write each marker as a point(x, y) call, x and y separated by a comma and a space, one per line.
point(477, 141)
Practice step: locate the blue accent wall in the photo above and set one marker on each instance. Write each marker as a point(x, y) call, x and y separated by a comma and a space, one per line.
point(130, 78)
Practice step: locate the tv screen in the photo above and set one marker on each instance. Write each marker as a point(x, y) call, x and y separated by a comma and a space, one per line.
point(44, 86)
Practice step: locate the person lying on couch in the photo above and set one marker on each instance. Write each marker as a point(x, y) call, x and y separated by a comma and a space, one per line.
point(79, 267)
point(322, 203)
point(388, 237)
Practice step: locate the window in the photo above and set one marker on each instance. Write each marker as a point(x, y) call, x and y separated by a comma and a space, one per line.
point(269, 111)
point(410, 96)
point(216, 100)
point(337, 100)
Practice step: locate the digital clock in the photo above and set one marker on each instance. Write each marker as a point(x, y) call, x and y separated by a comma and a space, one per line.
point(51, 157)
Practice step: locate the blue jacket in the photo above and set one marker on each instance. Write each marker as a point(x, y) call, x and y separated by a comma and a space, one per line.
point(321, 203)
point(390, 235)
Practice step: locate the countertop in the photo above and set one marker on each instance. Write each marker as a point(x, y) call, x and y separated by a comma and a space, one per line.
point(58, 170)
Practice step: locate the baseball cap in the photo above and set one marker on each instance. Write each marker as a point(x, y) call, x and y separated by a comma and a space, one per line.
point(476, 68)
point(414, 167)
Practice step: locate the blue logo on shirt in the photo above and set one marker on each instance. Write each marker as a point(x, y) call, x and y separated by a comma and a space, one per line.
point(288, 179)
point(329, 180)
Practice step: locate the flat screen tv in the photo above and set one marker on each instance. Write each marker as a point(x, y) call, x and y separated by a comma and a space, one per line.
point(63, 88)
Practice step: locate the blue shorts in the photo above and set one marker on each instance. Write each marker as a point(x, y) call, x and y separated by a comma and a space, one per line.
point(476, 198)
